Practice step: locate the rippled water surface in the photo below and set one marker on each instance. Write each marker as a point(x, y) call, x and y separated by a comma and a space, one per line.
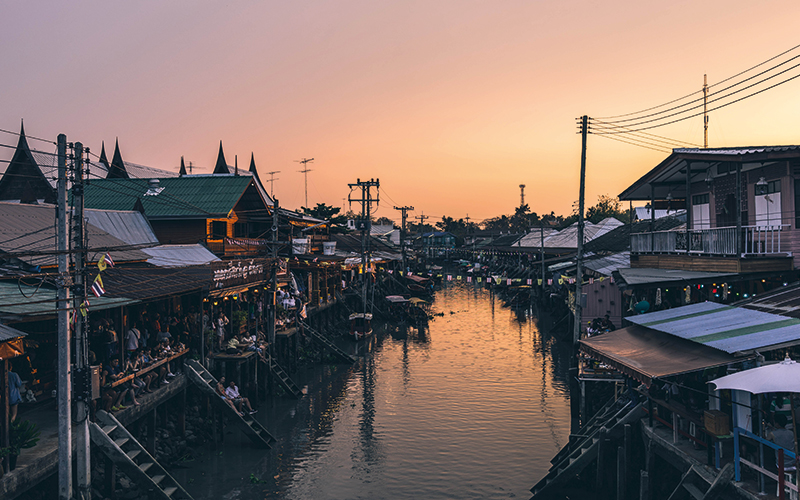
point(473, 407)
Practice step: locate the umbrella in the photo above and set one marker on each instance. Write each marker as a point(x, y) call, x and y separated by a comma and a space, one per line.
point(778, 377)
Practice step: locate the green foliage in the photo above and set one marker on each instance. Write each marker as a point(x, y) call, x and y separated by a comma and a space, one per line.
point(607, 206)
point(255, 480)
point(237, 319)
point(327, 212)
point(24, 434)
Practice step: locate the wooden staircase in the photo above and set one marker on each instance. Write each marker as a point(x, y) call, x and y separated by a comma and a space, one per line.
point(129, 455)
point(203, 379)
point(693, 486)
point(283, 379)
point(326, 342)
point(583, 450)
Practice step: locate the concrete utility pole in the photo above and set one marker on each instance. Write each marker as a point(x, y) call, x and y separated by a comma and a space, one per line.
point(305, 171)
point(576, 333)
point(705, 111)
point(272, 180)
point(64, 349)
point(364, 224)
point(82, 370)
point(421, 218)
point(404, 212)
point(274, 274)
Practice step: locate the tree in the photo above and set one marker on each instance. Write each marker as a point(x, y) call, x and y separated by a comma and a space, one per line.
point(384, 221)
point(328, 213)
point(607, 206)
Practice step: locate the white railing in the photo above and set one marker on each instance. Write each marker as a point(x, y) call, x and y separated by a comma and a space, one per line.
point(756, 240)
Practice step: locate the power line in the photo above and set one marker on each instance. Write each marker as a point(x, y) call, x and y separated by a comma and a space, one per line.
point(659, 149)
point(699, 91)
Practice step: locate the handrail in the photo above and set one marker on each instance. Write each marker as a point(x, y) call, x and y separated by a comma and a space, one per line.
point(753, 239)
point(783, 453)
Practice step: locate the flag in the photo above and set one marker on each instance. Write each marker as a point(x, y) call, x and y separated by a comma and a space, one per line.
point(480, 279)
point(315, 259)
point(101, 264)
point(469, 279)
point(539, 282)
point(84, 308)
point(97, 286)
point(109, 260)
point(303, 313)
point(612, 280)
point(591, 281)
point(508, 281)
point(530, 281)
point(550, 281)
point(458, 277)
point(449, 277)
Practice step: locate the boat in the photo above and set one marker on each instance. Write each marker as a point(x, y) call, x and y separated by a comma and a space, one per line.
point(360, 325)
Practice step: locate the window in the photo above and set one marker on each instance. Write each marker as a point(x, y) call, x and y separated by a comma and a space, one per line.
point(724, 168)
point(768, 203)
point(219, 229)
point(240, 230)
point(701, 212)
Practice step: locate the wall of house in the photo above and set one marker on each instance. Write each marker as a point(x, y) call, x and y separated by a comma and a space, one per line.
point(177, 232)
point(603, 297)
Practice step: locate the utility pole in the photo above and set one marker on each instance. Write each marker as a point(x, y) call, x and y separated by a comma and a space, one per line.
point(705, 111)
point(364, 224)
point(541, 251)
point(82, 370)
point(305, 171)
point(64, 349)
point(272, 180)
point(404, 211)
point(421, 218)
point(576, 333)
point(274, 274)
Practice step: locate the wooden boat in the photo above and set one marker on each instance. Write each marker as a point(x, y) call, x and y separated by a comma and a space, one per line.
point(360, 325)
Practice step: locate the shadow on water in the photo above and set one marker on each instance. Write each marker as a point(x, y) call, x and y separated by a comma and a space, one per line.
point(473, 406)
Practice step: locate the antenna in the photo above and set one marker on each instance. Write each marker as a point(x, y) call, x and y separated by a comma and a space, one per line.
point(705, 112)
point(522, 195)
point(305, 171)
point(272, 179)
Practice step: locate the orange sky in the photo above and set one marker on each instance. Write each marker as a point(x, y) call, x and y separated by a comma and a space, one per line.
point(452, 104)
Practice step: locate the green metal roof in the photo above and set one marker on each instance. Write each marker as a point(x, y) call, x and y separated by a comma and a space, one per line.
point(188, 196)
point(14, 306)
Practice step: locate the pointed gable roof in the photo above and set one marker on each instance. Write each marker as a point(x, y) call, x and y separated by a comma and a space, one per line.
point(253, 167)
point(23, 177)
point(117, 168)
point(182, 171)
point(103, 159)
point(222, 166)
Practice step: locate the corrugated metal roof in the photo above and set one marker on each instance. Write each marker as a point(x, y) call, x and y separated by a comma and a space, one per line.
point(42, 302)
point(31, 228)
point(568, 237)
point(534, 238)
point(179, 255)
point(784, 301)
point(727, 328)
point(203, 196)
point(735, 151)
point(7, 333)
point(649, 276)
point(608, 264)
point(129, 226)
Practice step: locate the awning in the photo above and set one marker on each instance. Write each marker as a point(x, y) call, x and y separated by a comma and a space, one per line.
point(644, 354)
point(727, 328)
point(37, 303)
point(633, 276)
point(227, 292)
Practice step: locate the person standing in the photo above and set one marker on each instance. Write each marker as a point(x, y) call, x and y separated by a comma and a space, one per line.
point(221, 322)
point(132, 340)
point(14, 396)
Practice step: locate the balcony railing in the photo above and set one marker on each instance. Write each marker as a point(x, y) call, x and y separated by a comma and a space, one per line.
point(238, 246)
point(755, 240)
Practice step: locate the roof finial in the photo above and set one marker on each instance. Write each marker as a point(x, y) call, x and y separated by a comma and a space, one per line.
point(222, 166)
point(117, 169)
point(182, 171)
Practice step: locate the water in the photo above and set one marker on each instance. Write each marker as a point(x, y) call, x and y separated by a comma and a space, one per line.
point(474, 407)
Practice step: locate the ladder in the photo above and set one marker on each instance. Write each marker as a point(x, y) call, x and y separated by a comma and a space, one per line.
point(203, 379)
point(585, 451)
point(326, 342)
point(129, 455)
point(283, 379)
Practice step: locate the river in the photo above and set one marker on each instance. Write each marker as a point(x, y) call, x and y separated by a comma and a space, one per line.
point(473, 407)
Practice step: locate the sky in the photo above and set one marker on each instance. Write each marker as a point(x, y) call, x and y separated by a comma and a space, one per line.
point(450, 104)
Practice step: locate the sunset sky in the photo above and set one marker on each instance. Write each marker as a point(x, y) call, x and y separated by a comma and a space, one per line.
point(452, 104)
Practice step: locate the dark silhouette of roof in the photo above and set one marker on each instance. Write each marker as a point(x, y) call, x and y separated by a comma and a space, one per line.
point(222, 166)
point(103, 159)
point(117, 168)
point(23, 179)
point(182, 171)
point(253, 167)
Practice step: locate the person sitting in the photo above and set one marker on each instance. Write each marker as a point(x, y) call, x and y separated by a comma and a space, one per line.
point(111, 373)
point(221, 392)
point(783, 438)
point(233, 345)
point(137, 384)
point(606, 324)
point(233, 394)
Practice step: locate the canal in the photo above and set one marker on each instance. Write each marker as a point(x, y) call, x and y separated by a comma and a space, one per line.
point(473, 407)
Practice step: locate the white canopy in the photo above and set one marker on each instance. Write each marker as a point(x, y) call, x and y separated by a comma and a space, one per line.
point(778, 377)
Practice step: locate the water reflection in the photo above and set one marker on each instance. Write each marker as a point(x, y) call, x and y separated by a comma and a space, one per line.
point(473, 406)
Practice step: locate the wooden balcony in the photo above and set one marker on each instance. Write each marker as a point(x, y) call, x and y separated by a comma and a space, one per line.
point(238, 247)
point(723, 249)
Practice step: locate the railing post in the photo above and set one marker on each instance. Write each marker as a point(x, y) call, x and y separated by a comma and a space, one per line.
point(736, 464)
point(781, 478)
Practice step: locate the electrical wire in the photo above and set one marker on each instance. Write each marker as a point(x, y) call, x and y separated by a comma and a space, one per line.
point(27, 136)
point(710, 86)
point(659, 149)
point(612, 129)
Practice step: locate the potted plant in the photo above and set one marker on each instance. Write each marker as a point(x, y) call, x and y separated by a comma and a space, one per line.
point(24, 434)
point(239, 321)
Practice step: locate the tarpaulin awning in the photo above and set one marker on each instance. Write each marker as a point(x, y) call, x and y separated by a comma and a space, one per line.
point(645, 354)
point(727, 328)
